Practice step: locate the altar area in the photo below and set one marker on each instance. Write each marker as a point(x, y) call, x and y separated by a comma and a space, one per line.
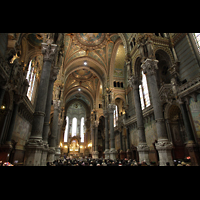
point(74, 148)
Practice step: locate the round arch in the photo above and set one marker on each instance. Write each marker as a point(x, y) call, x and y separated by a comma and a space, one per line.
point(137, 66)
point(165, 54)
point(100, 71)
point(168, 107)
point(118, 96)
point(125, 43)
point(112, 61)
point(83, 90)
point(83, 67)
point(87, 108)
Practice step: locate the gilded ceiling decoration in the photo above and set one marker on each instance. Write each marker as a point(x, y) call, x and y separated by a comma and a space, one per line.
point(90, 41)
point(82, 74)
point(99, 47)
point(35, 39)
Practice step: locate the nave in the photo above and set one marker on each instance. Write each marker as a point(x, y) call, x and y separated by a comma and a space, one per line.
point(111, 96)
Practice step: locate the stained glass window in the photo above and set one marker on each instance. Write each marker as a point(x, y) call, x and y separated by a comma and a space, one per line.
point(74, 126)
point(144, 92)
point(82, 129)
point(197, 40)
point(115, 116)
point(31, 80)
point(141, 96)
point(66, 129)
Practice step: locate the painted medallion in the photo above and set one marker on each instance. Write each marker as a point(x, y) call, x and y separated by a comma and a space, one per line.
point(90, 39)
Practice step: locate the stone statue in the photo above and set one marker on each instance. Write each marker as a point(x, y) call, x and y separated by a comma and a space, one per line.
point(145, 46)
point(174, 86)
point(149, 45)
point(141, 44)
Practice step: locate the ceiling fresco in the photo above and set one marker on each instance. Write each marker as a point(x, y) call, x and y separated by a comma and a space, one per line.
point(98, 47)
point(35, 39)
point(82, 74)
point(90, 39)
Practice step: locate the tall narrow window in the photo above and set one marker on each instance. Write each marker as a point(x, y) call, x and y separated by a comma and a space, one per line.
point(144, 92)
point(115, 116)
point(74, 126)
point(66, 129)
point(82, 129)
point(197, 40)
point(31, 80)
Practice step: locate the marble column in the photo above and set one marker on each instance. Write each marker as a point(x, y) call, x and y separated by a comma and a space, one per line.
point(52, 143)
point(163, 145)
point(142, 147)
point(93, 138)
point(113, 152)
point(2, 92)
point(191, 146)
point(46, 122)
point(35, 145)
point(107, 150)
point(128, 151)
point(96, 153)
point(58, 152)
point(122, 152)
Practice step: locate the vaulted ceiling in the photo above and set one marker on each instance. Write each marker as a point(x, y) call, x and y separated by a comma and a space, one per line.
point(87, 64)
point(91, 62)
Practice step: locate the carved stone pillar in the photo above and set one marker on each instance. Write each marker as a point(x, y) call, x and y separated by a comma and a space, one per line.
point(191, 146)
point(113, 152)
point(107, 150)
point(95, 152)
point(58, 152)
point(128, 151)
point(92, 136)
point(163, 145)
point(52, 143)
point(46, 119)
point(35, 145)
point(142, 147)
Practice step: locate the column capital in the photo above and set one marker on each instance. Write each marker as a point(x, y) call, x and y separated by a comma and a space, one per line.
point(48, 51)
point(149, 66)
point(134, 82)
point(111, 108)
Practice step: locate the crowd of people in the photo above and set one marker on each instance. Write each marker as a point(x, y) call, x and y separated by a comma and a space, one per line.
point(88, 161)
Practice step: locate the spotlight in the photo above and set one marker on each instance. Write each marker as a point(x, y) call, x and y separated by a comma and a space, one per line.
point(85, 63)
point(79, 89)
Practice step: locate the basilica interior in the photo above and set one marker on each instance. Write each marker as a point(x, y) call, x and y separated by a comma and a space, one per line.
point(99, 95)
